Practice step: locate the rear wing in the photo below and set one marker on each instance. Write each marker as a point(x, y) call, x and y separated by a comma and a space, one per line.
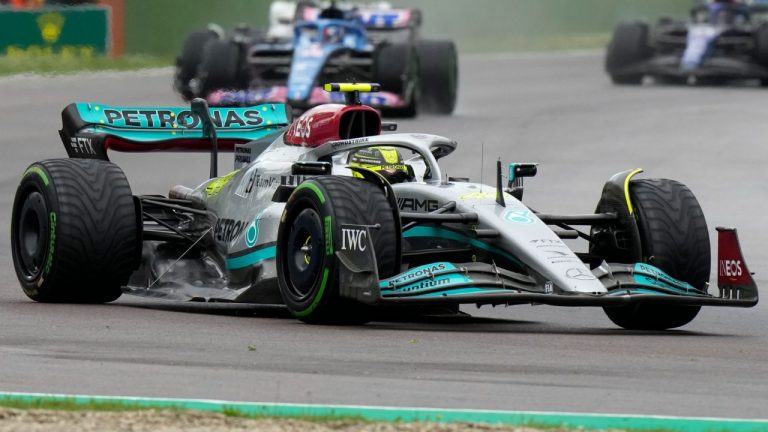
point(89, 129)
point(371, 18)
point(389, 19)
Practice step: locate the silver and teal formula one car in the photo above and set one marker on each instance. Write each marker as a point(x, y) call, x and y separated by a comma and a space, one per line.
point(333, 219)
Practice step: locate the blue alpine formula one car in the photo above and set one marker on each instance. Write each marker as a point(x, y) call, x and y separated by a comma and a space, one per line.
point(723, 40)
point(339, 42)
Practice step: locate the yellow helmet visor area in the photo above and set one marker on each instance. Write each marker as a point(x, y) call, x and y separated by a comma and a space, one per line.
point(390, 168)
point(380, 158)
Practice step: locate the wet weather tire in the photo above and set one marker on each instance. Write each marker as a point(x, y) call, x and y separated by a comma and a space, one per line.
point(628, 47)
point(220, 67)
point(761, 49)
point(189, 61)
point(74, 235)
point(396, 69)
point(309, 235)
point(439, 75)
point(761, 44)
point(674, 238)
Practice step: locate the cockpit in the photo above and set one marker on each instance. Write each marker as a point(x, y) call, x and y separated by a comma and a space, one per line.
point(385, 160)
point(396, 163)
point(721, 13)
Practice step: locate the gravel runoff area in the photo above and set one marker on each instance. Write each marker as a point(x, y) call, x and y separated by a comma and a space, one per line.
point(12, 420)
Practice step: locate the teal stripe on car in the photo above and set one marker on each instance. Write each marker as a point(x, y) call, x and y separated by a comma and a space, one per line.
point(428, 270)
point(661, 279)
point(252, 258)
point(422, 231)
point(444, 282)
point(149, 124)
point(461, 291)
point(634, 291)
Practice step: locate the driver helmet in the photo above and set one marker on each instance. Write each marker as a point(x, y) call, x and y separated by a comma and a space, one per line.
point(385, 160)
point(727, 11)
point(332, 12)
point(333, 34)
point(281, 19)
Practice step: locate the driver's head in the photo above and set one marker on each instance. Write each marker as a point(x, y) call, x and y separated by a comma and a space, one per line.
point(724, 12)
point(332, 12)
point(384, 160)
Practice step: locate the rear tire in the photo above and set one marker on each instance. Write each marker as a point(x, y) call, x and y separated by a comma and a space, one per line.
point(628, 47)
point(189, 61)
point(439, 75)
point(396, 69)
point(674, 238)
point(74, 234)
point(761, 50)
point(761, 45)
point(307, 267)
point(220, 67)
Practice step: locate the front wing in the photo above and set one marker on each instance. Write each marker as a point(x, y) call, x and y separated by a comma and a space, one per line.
point(720, 66)
point(482, 283)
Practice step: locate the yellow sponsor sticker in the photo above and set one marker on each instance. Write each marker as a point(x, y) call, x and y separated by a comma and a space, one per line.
point(215, 186)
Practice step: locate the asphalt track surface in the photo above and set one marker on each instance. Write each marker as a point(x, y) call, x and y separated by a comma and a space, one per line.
point(559, 110)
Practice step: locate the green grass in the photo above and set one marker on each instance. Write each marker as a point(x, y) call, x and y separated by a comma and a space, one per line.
point(344, 415)
point(99, 406)
point(57, 65)
point(234, 412)
point(68, 405)
point(60, 65)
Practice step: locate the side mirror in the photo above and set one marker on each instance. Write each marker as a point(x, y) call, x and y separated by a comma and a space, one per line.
point(442, 148)
point(518, 171)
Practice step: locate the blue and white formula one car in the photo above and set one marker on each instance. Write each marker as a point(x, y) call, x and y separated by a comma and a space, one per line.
point(347, 42)
point(333, 219)
point(723, 40)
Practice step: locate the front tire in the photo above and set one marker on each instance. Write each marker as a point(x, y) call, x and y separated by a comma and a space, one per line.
point(189, 61)
point(629, 46)
point(674, 237)
point(309, 233)
point(74, 231)
point(220, 67)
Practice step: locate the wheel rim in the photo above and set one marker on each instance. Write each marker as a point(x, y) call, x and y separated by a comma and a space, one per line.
point(304, 255)
point(32, 235)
